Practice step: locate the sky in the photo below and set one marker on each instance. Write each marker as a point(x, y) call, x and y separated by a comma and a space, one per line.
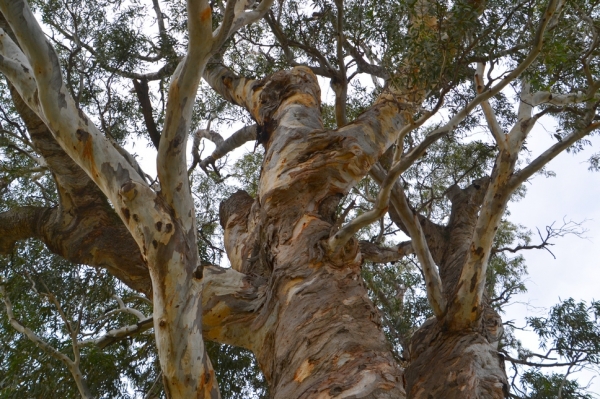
point(574, 194)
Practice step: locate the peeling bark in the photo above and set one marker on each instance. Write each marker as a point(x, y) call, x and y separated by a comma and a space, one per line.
point(465, 365)
point(322, 334)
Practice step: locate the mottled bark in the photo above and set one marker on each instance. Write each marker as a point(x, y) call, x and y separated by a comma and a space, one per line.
point(162, 224)
point(83, 228)
point(454, 365)
point(467, 363)
point(322, 334)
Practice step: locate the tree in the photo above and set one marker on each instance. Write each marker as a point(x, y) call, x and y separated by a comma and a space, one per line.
point(297, 292)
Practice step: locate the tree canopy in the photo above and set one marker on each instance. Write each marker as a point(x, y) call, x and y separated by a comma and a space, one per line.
point(387, 140)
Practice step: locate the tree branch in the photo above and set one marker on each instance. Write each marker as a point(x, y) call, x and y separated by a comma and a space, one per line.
point(79, 138)
point(119, 334)
point(419, 243)
point(466, 306)
point(490, 116)
point(223, 147)
point(377, 254)
point(171, 162)
point(142, 92)
point(548, 155)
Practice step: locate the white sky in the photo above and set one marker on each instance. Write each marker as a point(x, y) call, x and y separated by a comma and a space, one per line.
point(574, 194)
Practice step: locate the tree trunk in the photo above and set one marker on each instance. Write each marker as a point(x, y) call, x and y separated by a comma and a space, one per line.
point(322, 334)
point(456, 364)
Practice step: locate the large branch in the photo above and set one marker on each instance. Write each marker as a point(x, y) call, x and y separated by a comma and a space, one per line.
point(84, 228)
point(171, 160)
point(94, 237)
point(73, 130)
point(231, 302)
point(20, 224)
point(466, 306)
point(230, 305)
point(235, 89)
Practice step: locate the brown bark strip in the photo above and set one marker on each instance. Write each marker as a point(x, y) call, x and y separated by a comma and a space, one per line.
point(142, 92)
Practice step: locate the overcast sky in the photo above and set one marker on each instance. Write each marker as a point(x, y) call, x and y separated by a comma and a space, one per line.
point(574, 194)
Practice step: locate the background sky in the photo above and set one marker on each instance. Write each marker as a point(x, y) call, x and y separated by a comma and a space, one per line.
point(574, 194)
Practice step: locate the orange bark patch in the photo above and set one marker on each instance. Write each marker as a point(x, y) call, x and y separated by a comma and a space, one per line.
point(217, 314)
point(300, 98)
point(303, 371)
point(88, 152)
point(205, 14)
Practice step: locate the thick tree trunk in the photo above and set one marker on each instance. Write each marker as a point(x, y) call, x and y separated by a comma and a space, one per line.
point(321, 334)
point(445, 361)
point(455, 364)
point(323, 337)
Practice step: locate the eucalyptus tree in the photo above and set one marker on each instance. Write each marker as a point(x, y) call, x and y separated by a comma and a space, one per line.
point(391, 153)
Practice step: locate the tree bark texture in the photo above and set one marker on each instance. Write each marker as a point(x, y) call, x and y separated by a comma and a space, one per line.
point(322, 336)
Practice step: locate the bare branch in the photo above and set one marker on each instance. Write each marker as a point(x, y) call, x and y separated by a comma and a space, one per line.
point(122, 309)
point(159, 18)
point(211, 135)
point(537, 364)
point(119, 334)
point(419, 243)
point(363, 65)
point(340, 82)
point(545, 97)
point(235, 17)
point(538, 163)
point(223, 31)
point(251, 16)
point(142, 91)
point(224, 147)
point(490, 116)
point(171, 162)
point(377, 254)
point(417, 152)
